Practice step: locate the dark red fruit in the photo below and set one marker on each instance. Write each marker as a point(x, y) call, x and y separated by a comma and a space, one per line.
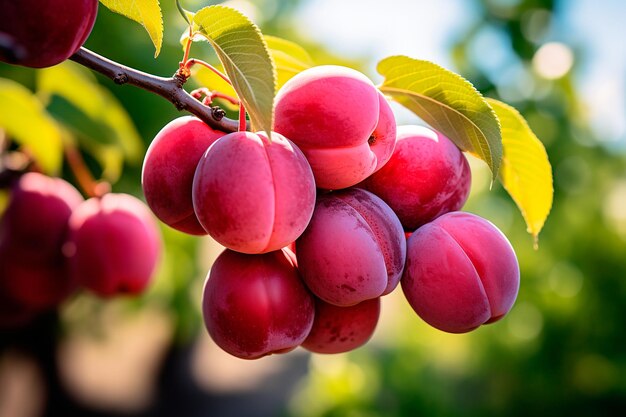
point(256, 305)
point(342, 329)
point(426, 177)
point(32, 231)
point(168, 170)
point(39, 34)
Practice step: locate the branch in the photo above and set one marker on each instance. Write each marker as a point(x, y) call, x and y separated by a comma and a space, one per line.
point(169, 88)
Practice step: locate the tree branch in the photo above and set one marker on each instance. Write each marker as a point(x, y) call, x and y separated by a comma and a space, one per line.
point(169, 88)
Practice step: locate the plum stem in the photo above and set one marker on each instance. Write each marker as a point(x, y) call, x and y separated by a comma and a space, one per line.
point(242, 118)
point(169, 88)
point(209, 95)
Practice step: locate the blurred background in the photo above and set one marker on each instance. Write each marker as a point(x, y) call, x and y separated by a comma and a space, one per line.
point(560, 351)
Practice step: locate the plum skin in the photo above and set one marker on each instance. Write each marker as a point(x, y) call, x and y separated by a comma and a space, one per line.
point(113, 245)
point(461, 272)
point(342, 329)
point(32, 231)
point(252, 195)
point(40, 34)
point(426, 176)
point(341, 122)
point(353, 249)
point(168, 170)
point(256, 305)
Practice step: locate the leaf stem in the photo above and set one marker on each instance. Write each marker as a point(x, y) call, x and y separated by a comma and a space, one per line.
point(193, 61)
point(187, 49)
point(169, 88)
point(209, 95)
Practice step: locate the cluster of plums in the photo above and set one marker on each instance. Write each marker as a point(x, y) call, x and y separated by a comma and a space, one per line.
point(315, 215)
point(53, 242)
point(315, 220)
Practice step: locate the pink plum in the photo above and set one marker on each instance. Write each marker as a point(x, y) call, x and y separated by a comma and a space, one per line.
point(342, 329)
point(341, 122)
point(168, 170)
point(113, 245)
point(353, 250)
point(256, 305)
point(426, 177)
point(253, 195)
point(461, 272)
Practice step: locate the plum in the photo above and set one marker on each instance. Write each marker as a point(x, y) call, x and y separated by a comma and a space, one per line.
point(342, 329)
point(113, 245)
point(32, 231)
point(168, 170)
point(252, 195)
point(256, 305)
point(341, 122)
point(353, 249)
point(426, 177)
point(39, 34)
point(461, 272)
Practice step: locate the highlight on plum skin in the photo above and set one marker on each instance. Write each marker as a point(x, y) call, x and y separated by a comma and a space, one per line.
point(426, 176)
point(256, 305)
point(252, 195)
point(168, 170)
point(113, 245)
point(353, 249)
point(342, 329)
point(461, 272)
point(32, 230)
point(339, 120)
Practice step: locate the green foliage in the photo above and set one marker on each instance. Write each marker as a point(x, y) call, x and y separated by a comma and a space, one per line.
point(243, 53)
point(92, 114)
point(447, 102)
point(145, 12)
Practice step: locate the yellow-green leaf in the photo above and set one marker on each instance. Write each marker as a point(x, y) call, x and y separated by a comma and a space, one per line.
point(525, 172)
point(26, 121)
point(145, 12)
point(447, 102)
point(244, 54)
point(289, 58)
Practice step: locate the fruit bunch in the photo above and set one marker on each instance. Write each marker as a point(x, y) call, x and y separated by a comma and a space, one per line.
point(315, 220)
point(53, 242)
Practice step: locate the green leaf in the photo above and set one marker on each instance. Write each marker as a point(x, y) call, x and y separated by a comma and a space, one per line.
point(26, 121)
point(447, 102)
point(102, 118)
point(289, 58)
point(244, 54)
point(525, 172)
point(145, 12)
